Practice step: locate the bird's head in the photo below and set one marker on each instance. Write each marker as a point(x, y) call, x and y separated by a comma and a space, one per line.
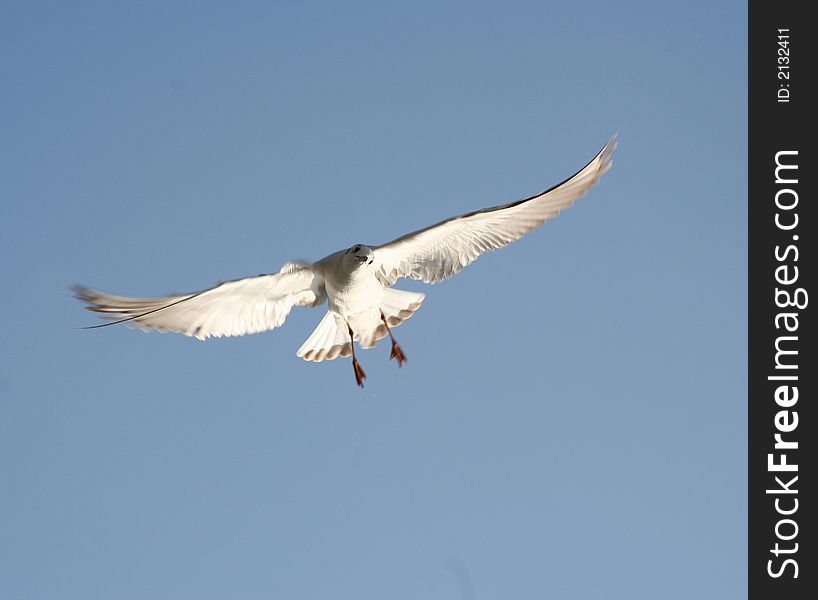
point(359, 254)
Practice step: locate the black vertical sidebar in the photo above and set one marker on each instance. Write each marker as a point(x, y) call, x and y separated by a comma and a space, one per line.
point(783, 368)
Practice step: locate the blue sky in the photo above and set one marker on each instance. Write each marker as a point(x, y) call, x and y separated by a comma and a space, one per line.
point(572, 419)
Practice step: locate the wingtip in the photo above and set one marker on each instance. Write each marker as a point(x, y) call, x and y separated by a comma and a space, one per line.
point(86, 295)
point(82, 293)
point(77, 290)
point(605, 156)
point(611, 144)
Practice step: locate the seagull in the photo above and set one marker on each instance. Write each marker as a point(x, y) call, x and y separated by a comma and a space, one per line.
point(355, 282)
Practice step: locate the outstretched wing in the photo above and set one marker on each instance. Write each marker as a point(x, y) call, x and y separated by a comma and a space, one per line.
point(437, 252)
point(232, 308)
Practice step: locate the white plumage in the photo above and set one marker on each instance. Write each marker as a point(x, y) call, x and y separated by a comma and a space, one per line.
point(231, 308)
point(355, 282)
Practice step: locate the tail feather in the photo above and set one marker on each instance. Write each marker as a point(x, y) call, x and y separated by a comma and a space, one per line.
point(326, 342)
point(398, 305)
point(331, 338)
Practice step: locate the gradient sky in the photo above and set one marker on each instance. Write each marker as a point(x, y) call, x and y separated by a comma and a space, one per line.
point(572, 419)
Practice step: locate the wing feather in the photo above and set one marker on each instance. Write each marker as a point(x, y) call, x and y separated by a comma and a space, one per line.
point(231, 308)
point(437, 252)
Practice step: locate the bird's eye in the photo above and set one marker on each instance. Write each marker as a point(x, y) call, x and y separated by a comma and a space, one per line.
point(356, 248)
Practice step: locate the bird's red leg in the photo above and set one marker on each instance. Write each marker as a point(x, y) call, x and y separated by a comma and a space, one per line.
point(397, 352)
point(359, 372)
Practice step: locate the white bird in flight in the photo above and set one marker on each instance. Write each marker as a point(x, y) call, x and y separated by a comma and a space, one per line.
point(356, 282)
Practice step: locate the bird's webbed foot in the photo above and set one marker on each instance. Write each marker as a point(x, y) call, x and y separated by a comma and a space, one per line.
point(397, 353)
point(359, 372)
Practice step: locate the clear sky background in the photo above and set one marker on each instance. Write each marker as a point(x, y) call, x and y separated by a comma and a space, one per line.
point(572, 419)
